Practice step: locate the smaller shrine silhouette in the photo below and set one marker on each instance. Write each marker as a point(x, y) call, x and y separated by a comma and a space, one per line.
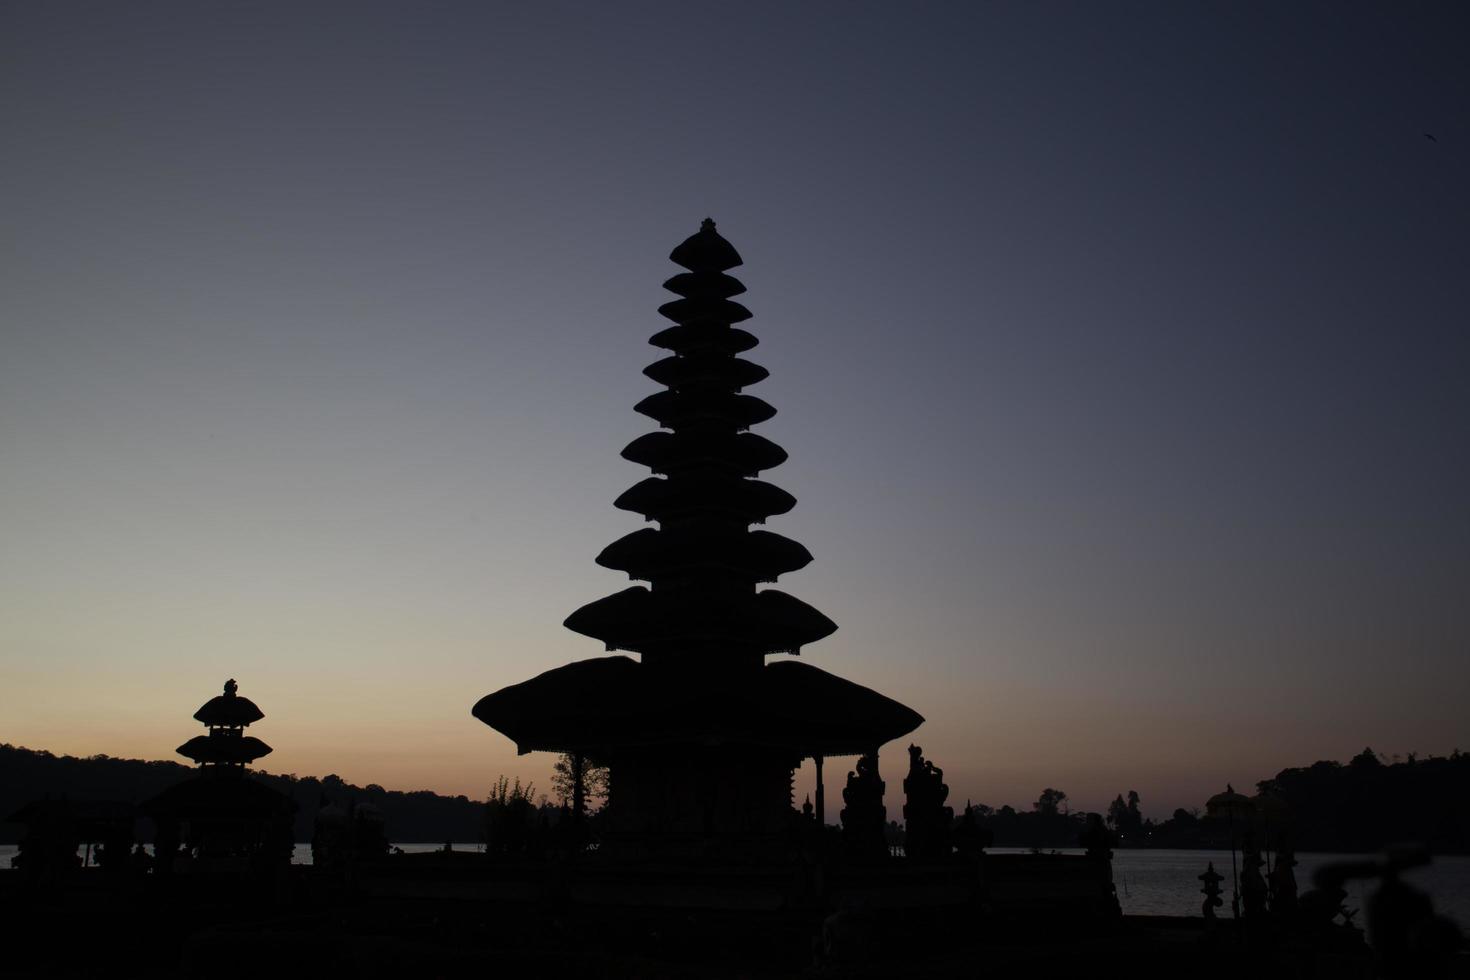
point(221, 820)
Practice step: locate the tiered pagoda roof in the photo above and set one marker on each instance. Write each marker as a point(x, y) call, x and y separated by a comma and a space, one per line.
point(703, 625)
point(703, 563)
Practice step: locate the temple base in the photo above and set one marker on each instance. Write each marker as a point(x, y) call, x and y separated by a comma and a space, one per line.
point(688, 802)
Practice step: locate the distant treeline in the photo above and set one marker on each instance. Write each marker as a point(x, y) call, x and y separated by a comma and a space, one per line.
point(1363, 805)
point(27, 774)
point(1368, 803)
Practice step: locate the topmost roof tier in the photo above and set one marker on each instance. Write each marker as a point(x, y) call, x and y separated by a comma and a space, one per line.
point(706, 251)
point(229, 710)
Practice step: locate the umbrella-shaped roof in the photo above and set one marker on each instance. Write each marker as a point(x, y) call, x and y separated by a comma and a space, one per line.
point(1229, 804)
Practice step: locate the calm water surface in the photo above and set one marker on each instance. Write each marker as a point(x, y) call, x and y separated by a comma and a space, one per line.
point(1164, 882)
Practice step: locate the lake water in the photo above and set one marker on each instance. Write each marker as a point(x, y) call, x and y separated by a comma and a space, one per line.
point(1165, 882)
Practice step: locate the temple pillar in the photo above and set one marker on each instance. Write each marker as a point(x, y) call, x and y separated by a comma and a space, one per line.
point(821, 794)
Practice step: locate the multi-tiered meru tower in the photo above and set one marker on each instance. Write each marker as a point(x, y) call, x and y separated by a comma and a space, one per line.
point(701, 735)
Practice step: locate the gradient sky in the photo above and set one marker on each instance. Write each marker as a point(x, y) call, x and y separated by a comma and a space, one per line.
point(1120, 353)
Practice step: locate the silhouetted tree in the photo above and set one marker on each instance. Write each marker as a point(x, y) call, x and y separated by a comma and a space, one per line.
point(1126, 818)
point(510, 817)
point(1366, 759)
point(1050, 803)
point(577, 782)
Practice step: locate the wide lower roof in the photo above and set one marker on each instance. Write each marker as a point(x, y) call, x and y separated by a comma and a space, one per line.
point(214, 795)
point(609, 703)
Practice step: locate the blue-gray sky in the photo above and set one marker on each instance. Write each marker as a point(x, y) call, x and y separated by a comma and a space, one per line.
point(1120, 352)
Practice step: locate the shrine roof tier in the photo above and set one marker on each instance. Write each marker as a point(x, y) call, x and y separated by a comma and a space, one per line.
point(753, 556)
point(687, 495)
point(679, 622)
point(677, 409)
point(224, 749)
point(599, 706)
point(704, 285)
point(742, 453)
point(704, 309)
point(706, 370)
point(702, 338)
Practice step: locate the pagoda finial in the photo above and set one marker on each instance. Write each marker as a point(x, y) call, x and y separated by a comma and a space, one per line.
point(231, 687)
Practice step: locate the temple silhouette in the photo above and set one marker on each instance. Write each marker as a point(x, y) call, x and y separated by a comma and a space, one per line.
point(699, 863)
point(700, 733)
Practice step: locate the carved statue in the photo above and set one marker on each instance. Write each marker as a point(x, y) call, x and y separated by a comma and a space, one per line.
point(927, 820)
point(864, 816)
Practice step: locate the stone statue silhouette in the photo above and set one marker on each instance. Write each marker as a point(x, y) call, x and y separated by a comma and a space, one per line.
point(864, 816)
point(927, 820)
